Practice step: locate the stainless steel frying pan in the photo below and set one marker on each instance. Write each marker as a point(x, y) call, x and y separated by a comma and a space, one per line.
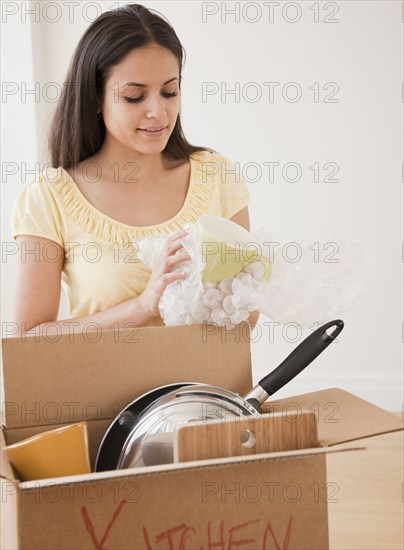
point(142, 434)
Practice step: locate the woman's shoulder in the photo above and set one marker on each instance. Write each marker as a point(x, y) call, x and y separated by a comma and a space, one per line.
point(216, 168)
point(48, 180)
point(208, 155)
point(46, 183)
point(223, 175)
point(44, 196)
point(38, 208)
point(212, 164)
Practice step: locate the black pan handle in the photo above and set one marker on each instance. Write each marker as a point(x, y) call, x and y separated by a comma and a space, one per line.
point(299, 359)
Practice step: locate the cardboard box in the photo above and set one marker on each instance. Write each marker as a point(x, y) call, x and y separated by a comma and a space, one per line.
point(263, 501)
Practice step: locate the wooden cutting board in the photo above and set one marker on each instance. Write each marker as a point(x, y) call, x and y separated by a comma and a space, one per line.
point(284, 431)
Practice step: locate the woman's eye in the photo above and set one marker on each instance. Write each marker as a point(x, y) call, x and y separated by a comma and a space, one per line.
point(133, 99)
point(138, 99)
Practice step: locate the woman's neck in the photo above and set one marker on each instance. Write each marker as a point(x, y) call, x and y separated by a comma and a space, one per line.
point(121, 162)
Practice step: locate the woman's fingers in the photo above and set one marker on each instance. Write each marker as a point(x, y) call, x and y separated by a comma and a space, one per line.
point(171, 240)
point(174, 276)
point(170, 257)
point(178, 235)
point(173, 248)
point(172, 245)
point(162, 275)
point(176, 259)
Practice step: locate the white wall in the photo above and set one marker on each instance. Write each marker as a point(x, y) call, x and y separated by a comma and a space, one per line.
point(19, 144)
point(362, 133)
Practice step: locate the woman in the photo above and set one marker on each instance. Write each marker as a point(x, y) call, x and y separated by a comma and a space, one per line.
point(121, 170)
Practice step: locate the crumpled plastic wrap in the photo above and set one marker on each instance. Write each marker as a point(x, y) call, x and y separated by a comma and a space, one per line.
point(311, 282)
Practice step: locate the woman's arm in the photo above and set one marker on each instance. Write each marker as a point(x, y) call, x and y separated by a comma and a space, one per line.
point(37, 293)
point(243, 219)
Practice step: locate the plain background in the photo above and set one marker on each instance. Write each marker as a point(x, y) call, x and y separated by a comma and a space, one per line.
point(362, 53)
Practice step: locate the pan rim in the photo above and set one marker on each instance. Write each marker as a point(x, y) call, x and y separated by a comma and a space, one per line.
point(115, 422)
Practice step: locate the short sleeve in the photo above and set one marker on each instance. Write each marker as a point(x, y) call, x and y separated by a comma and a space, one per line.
point(233, 191)
point(36, 211)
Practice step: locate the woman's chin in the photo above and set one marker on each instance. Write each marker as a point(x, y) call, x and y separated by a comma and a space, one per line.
point(150, 148)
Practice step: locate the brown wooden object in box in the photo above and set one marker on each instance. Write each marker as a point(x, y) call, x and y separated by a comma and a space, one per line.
point(285, 431)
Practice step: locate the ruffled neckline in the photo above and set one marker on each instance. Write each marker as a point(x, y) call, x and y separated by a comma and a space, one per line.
point(82, 213)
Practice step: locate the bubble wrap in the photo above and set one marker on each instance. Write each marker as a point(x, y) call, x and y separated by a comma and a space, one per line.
point(311, 282)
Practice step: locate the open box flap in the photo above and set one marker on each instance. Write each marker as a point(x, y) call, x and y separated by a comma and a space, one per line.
point(341, 415)
point(47, 380)
point(6, 470)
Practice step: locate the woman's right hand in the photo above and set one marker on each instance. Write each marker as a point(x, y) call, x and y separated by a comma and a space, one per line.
point(162, 276)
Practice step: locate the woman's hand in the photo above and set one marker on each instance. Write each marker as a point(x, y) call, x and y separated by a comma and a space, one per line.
point(162, 276)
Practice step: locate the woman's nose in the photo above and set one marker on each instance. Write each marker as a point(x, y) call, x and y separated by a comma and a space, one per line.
point(155, 107)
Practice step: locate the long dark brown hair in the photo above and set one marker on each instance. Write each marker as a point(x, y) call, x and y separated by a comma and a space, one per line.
point(76, 131)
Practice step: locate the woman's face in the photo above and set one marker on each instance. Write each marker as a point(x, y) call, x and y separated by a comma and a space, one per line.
point(142, 92)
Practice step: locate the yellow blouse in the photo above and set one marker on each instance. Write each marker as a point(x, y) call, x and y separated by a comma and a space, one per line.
point(101, 268)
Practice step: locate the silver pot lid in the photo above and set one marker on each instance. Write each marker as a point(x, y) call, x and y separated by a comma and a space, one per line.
point(151, 440)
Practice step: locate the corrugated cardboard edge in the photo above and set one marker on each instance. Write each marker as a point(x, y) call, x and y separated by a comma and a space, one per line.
point(10, 492)
point(178, 468)
point(6, 470)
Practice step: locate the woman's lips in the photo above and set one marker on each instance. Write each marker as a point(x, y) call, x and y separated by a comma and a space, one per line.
point(152, 134)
